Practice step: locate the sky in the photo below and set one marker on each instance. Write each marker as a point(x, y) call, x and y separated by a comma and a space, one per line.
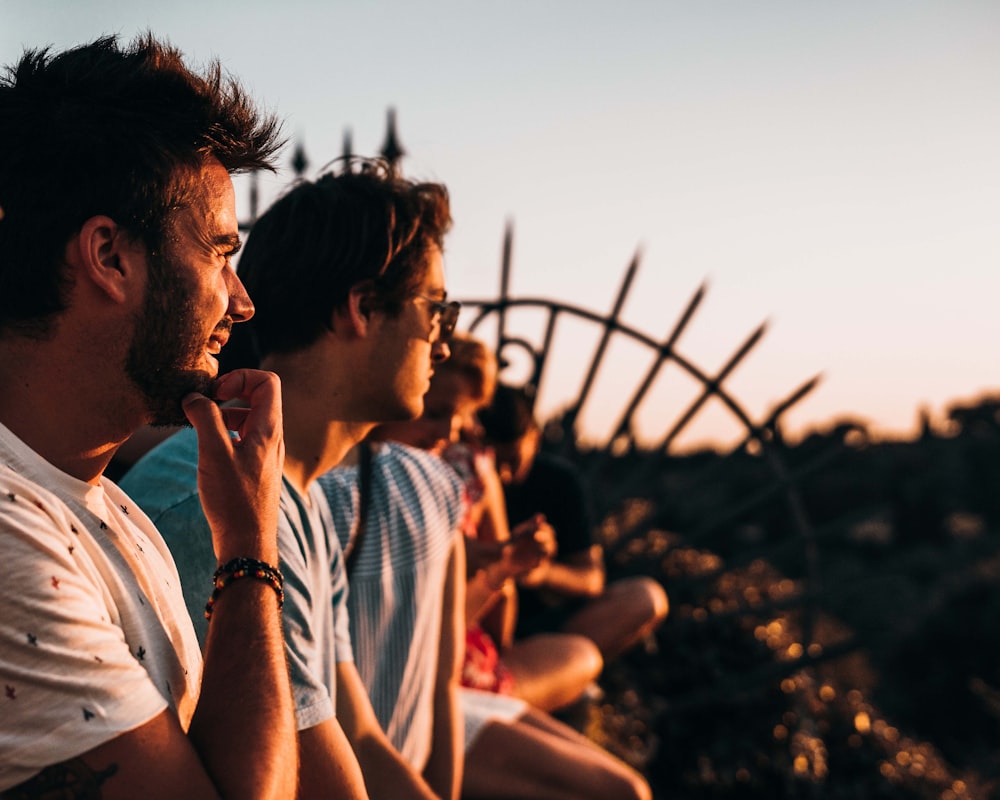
point(830, 168)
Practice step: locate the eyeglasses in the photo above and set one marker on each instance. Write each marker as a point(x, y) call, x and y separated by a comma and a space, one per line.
point(448, 311)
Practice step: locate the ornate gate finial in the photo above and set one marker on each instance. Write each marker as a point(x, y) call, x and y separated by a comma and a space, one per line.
point(392, 150)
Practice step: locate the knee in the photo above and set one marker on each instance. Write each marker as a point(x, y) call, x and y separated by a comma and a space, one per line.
point(648, 600)
point(641, 790)
point(585, 655)
point(656, 599)
point(629, 785)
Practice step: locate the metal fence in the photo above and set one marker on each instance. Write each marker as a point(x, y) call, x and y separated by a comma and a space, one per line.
point(621, 472)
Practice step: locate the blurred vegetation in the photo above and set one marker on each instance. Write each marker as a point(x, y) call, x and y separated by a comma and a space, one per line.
point(834, 635)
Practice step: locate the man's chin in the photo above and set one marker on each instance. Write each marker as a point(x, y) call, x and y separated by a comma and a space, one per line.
point(401, 410)
point(164, 404)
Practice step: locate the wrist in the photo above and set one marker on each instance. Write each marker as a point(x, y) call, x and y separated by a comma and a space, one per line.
point(243, 567)
point(495, 576)
point(258, 548)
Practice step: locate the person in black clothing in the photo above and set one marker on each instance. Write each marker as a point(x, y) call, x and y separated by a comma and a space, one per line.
point(567, 593)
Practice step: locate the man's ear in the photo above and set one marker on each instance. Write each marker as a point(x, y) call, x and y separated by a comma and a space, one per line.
point(108, 258)
point(356, 314)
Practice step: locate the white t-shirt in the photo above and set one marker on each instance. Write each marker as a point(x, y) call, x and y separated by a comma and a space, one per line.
point(94, 636)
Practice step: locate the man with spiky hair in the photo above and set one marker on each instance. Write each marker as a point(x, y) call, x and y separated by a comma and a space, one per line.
point(117, 293)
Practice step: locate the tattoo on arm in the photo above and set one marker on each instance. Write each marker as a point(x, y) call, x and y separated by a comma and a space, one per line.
point(70, 780)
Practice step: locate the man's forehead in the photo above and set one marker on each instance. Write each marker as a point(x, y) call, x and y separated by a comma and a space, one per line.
point(433, 280)
point(214, 187)
point(210, 205)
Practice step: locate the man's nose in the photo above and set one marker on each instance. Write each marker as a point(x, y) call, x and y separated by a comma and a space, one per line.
point(440, 351)
point(240, 305)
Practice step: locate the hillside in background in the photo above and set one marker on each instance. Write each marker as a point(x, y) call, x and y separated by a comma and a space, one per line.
point(834, 615)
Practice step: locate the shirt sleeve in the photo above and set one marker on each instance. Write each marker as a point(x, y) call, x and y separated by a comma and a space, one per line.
point(343, 498)
point(71, 681)
point(188, 536)
point(343, 649)
point(303, 642)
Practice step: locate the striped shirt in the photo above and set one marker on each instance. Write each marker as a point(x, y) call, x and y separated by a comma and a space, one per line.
point(397, 583)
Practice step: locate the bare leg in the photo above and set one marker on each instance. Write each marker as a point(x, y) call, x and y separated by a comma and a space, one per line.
point(628, 610)
point(552, 670)
point(539, 758)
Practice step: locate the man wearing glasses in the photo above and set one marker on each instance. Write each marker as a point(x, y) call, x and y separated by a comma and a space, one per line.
point(351, 313)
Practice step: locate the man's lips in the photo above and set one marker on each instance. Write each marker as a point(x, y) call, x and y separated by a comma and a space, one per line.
point(219, 337)
point(216, 343)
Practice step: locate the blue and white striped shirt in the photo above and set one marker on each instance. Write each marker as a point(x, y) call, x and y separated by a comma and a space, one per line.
point(397, 583)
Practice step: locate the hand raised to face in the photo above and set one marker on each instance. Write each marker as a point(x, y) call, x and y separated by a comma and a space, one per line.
point(239, 476)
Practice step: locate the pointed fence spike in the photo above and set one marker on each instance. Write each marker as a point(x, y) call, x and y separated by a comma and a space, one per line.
point(665, 352)
point(347, 151)
point(610, 324)
point(505, 260)
point(392, 151)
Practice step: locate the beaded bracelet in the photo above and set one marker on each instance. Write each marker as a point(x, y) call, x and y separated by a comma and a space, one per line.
point(245, 568)
point(241, 562)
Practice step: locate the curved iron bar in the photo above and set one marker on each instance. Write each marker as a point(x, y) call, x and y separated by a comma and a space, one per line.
point(763, 432)
point(554, 307)
point(666, 349)
point(784, 482)
point(595, 361)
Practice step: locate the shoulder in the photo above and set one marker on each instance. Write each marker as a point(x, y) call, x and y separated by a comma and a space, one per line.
point(40, 534)
point(421, 464)
point(23, 503)
point(421, 475)
point(166, 478)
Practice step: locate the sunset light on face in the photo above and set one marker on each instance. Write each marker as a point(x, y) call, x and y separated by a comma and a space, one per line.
point(830, 168)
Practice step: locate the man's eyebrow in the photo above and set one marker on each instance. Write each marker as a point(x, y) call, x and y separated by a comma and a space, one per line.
point(231, 241)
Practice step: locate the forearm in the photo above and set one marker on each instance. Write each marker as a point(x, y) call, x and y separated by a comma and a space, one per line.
point(578, 574)
point(573, 580)
point(482, 594)
point(493, 524)
point(329, 767)
point(387, 775)
point(244, 725)
point(443, 771)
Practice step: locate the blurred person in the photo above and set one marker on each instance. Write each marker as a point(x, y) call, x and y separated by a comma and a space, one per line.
point(347, 275)
point(550, 671)
point(395, 510)
point(117, 226)
point(567, 593)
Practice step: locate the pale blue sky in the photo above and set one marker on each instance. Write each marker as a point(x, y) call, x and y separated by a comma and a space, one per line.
point(832, 167)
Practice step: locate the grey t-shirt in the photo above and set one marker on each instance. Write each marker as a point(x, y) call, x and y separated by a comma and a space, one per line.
point(315, 618)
